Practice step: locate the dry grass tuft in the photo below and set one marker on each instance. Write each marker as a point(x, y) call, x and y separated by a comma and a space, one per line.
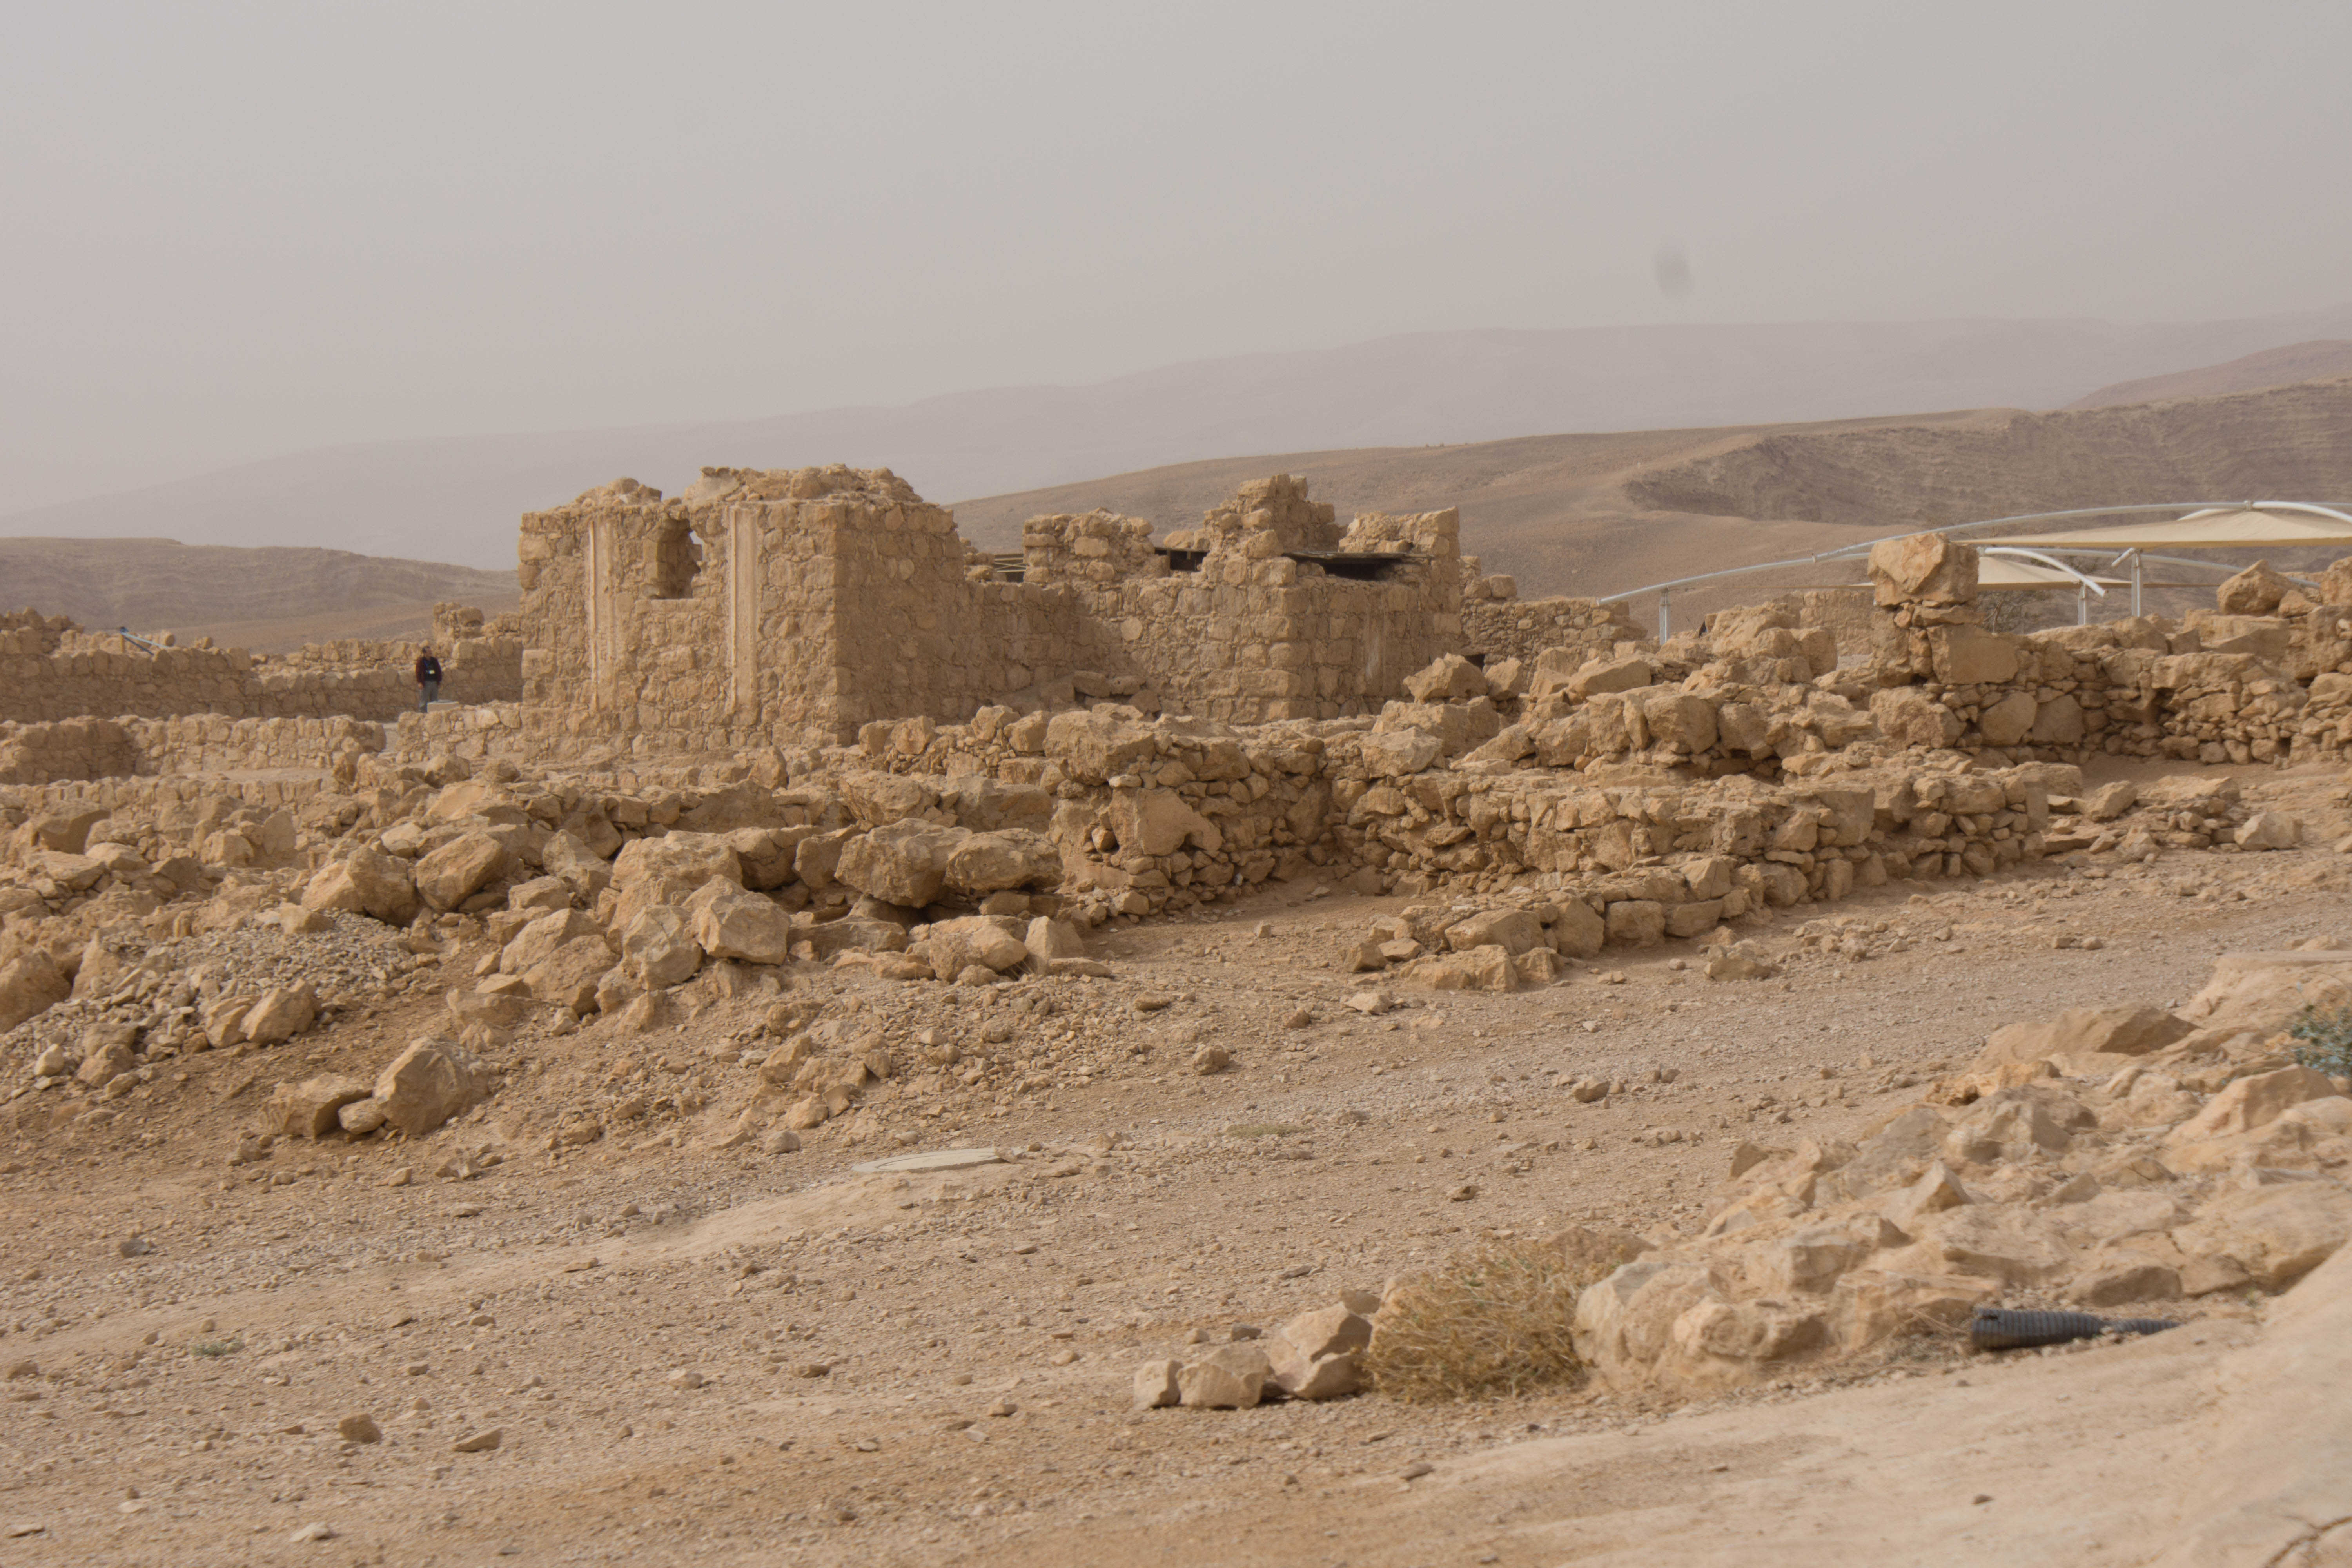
point(1494, 1321)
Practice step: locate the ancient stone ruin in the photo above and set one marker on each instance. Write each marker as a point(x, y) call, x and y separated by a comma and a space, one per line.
point(781, 823)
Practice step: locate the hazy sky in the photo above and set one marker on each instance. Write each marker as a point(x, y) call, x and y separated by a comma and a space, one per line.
point(234, 231)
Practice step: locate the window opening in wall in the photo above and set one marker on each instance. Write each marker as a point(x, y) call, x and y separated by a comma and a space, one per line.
point(677, 561)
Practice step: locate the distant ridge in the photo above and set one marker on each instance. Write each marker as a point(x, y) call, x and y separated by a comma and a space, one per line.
point(457, 499)
point(268, 600)
point(2328, 359)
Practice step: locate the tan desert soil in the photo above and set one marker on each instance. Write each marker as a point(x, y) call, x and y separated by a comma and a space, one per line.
point(696, 1354)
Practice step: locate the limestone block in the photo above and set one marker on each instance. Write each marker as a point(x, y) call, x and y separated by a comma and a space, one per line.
point(1158, 822)
point(313, 1107)
point(1486, 968)
point(2009, 720)
point(730, 923)
point(458, 869)
point(431, 1082)
point(1922, 567)
point(1400, 752)
point(1971, 656)
point(568, 976)
point(2251, 1102)
point(1048, 938)
point(30, 985)
point(2059, 722)
point(1578, 931)
point(992, 941)
point(533, 946)
point(1001, 860)
point(1601, 677)
point(902, 863)
point(2276, 1233)
point(2130, 1029)
point(282, 1013)
point(1637, 922)
point(2269, 830)
point(855, 934)
point(1448, 678)
point(1230, 1377)
point(659, 947)
point(2256, 591)
point(1909, 717)
point(1517, 932)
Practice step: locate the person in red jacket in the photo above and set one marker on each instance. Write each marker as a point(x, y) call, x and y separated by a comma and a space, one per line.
point(428, 678)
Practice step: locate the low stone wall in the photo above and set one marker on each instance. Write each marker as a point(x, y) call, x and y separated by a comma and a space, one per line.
point(52, 670)
point(87, 749)
point(1524, 628)
point(479, 733)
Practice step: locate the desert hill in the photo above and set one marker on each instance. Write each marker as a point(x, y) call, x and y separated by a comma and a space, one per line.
point(457, 498)
point(1601, 513)
point(268, 600)
point(2326, 359)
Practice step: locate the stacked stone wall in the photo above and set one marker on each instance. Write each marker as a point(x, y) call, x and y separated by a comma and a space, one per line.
point(80, 749)
point(763, 608)
point(1524, 628)
point(54, 671)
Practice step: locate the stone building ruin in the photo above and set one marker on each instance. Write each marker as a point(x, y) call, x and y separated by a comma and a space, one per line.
point(799, 605)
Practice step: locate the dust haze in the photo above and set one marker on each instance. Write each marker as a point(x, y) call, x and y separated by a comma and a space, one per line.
point(282, 229)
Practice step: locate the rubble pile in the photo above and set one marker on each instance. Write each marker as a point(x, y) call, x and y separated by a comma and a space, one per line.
point(2110, 1156)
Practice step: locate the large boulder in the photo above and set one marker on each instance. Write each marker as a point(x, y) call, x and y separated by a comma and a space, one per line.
point(1971, 656)
point(2276, 1233)
point(1395, 753)
point(1158, 822)
point(2131, 1029)
point(30, 985)
point(999, 861)
point(458, 869)
point(282, 1013)
point(567, 977)
point(313, 1107)
point(2251, 1102)
point(65, 830)
point(2256, 591)
point(992, 941)
point(1517, 932)
point(659, 949)
point(668, 870)
point(1230, 1377)
point(1092, 746)
point(537, 942)
point(1909, 717)
point(1927, 568)
point(902, 863)
point(732, 923)
point(1449, 678)
point(431, 1082)
point(367, 882)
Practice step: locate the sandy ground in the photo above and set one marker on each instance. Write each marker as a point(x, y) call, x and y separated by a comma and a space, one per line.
point(697, 1354)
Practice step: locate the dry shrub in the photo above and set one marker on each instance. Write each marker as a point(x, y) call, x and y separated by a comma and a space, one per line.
point(1494, 1321)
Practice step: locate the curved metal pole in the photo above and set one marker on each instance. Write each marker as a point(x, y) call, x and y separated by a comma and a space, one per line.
point(2021, 553)
point(1864, 547)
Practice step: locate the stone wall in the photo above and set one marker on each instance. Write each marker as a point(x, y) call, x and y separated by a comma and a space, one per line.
point(51, 669)
point(2216, 687)
point(1523, 628)
point(76, 749)
point(762, 608)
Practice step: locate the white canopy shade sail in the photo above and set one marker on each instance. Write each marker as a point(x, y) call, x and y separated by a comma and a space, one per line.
point(2234, 529)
